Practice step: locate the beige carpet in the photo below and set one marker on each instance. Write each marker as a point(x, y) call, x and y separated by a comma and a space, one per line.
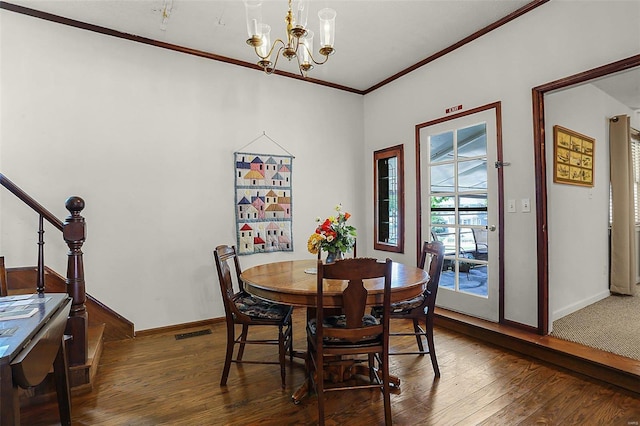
point(612, 325)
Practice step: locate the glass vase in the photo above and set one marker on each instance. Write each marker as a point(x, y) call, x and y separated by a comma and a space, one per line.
point(333, 256)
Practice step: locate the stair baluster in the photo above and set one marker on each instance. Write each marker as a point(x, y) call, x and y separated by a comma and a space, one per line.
point(40, 279)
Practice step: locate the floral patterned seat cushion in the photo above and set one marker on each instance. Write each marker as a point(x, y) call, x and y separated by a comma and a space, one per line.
point(340, 321)
point(402, 306)
point(407, 305)
point(258, 308)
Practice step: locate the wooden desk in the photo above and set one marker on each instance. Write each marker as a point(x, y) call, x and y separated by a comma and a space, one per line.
point(28, 348)
point(287, 282)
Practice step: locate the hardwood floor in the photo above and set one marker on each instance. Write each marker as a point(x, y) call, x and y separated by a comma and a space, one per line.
point(158, 380)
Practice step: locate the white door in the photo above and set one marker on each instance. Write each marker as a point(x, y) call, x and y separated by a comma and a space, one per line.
point(459, 197)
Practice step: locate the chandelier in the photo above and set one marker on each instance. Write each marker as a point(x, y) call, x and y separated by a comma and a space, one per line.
point(299, 40)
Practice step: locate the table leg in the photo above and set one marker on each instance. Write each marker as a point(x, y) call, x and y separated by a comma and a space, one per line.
point(297, 353)
point(303, 389)
point(342, 371)
point(394, 381)
point(9, 404)
point(60, 373)
point(301, 392)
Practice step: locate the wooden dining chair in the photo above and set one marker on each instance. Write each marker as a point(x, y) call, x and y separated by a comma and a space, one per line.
point(352, 333)
point(422, 308)
point(243, 309)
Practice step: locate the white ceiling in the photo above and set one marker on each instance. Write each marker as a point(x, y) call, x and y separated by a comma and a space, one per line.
point(623, 86)
point(375, 39)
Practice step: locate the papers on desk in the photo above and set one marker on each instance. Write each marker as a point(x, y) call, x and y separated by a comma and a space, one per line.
point(8, 332)
point(16, 313)
point(22, 306)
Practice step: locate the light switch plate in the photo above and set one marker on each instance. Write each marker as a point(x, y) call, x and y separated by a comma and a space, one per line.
point(526, 205)
point(511, 206)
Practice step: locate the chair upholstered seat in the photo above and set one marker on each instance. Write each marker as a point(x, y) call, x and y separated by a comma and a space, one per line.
point(340, 321)
point(407, 305)
point(261, 309)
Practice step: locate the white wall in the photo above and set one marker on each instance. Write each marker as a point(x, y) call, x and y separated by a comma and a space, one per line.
point(146, 136)
point(578, 242)
point(553, 41)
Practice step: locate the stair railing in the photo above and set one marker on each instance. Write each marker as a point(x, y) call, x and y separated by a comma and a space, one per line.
point(73, 232)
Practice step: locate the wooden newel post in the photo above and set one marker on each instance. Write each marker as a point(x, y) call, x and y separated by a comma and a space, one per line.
point(74, 233)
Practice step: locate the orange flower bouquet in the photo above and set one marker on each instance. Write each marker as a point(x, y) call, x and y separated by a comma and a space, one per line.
point(333, 235)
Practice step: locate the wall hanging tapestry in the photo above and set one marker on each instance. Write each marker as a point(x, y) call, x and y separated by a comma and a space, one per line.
point(263, 202)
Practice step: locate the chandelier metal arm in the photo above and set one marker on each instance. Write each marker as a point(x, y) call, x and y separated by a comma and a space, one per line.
point(326, 57)
point(268, 69)
point(273, 46)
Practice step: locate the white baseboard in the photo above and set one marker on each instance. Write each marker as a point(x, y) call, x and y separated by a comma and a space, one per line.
point(566, 310)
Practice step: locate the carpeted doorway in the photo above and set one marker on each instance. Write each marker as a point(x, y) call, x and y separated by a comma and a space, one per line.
point(612, 325)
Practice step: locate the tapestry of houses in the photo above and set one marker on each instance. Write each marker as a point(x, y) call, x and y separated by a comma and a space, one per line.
point(263, 203)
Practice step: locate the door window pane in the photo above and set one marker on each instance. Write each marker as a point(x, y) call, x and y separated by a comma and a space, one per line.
point(442, 178)
point(472, 141)
point(441, 147)
point(473, 209)
point(472, 175)
point(473, 200)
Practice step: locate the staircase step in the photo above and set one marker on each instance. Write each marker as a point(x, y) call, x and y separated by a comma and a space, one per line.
point(81, 377)
point(22, 280)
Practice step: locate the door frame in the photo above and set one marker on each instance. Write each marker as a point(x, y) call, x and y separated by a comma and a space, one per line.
point(497, 106)
point(542, 236)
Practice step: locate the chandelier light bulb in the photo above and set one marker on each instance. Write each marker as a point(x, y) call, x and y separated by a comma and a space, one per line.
point(304, 51)
point(301, 13)
point(265, 36)
point(253, 10)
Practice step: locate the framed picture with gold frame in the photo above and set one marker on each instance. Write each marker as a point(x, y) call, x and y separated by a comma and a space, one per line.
point(572, 157)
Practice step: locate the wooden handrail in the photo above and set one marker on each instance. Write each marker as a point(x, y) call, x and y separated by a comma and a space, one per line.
point(28, 200)
point(73, 232)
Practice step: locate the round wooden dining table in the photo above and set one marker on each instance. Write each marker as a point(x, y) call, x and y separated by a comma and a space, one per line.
point(293, 282)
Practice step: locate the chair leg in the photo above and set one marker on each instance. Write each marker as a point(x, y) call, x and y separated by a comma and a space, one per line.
point(229, 354)
point(290, 333)
point(386, 391)
point(243, 338)
point(432, 348)
point(416, 329)
point(319, 370)
point(372, 366)
point(281, 354)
